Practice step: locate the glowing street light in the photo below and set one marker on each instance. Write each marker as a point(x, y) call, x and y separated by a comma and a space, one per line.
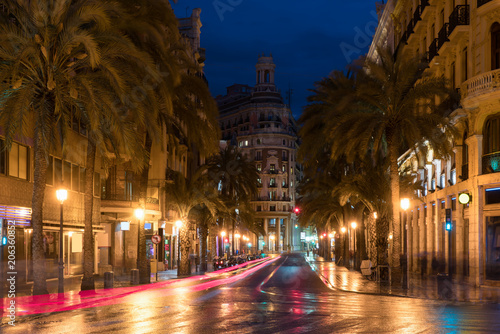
point(62, 195)
point(139, 213)
point(354, 225)
point(223, 234)
point(342, 229)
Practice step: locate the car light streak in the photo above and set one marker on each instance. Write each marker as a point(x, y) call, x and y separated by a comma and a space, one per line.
point(75, 300)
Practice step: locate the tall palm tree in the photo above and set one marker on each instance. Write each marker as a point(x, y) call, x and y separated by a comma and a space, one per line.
point(183, 196)
point(384, 109)
point(235, 178)
point(51, 54)
point(182, 102)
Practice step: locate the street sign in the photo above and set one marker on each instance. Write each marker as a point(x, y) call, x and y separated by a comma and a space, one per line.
point(156, 239)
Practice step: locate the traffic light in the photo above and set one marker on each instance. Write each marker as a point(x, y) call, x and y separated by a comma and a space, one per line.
point(448, 220)
point(296, 225)
point(296, 210)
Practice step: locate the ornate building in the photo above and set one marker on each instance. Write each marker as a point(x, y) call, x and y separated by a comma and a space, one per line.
point(461, 41)
point(258, 121)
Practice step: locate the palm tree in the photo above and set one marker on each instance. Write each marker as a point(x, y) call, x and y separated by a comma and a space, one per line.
point(180, 98)
point(183, 196)
point(51, 56)
point(383, 109)
point(235, 177)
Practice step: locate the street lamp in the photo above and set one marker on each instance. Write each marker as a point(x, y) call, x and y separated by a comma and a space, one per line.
point(62, 195)
point(272, 237)
point(353, 226)
point(405, 204)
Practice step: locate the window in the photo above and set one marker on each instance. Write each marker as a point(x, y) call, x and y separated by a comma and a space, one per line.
point(58, 173)
point(67, 175)
point(283, 168)
point(49, 176)
point(259, 142)
point(259, 181)
point(272, 208)
point(453, 203)
point(291, 170)
point(259, 167)
point(273, 167)
point(495, 46)
point(258, 155)
point(82, 179)
point(492, 135)
point(18, 161)
point(246, 142)
point(266, 76)
point(259, 208)
point(465, 73)
point(240, 144)
point(453, 76)
point(129, 186)
point(272, 183)
point(492, 196)
point(75, 178)
point(97, 184)
point(3, 158)
point(443, 204)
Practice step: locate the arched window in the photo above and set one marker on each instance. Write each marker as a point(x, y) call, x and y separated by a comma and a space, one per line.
point(495, 46)
point(492, 135)
point(266, 76)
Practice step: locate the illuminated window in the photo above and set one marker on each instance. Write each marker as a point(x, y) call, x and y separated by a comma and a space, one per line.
point(18, 161)
point(273, 167)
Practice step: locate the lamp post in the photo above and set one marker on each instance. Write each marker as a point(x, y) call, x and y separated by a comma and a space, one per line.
point(330, 236)
point(353, 227)
point(223, 234)
point(179, 225)
point(62, 195)
point(405, 204)
point(343, 230)
point(237, 237)
point(139, 214)
point(272, 238)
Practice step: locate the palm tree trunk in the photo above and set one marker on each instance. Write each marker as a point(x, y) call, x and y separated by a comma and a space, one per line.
point(88, 237)
point(212, 237)
point(184, 267)
point(396, 224)
point(233, 240)
point(142, 261)
point(382, 231)
point(372, 240)
point(40, 169)
point(203, 246)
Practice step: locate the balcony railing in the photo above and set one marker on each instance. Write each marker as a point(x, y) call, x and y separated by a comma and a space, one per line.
point(491, 163)
point(482, 2)
point(459, 17)
point(443, 35)
point(433, 49)
point(481, 84)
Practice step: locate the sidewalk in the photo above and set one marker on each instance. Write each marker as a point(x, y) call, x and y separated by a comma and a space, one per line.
point(344, 279)
point(73, 283)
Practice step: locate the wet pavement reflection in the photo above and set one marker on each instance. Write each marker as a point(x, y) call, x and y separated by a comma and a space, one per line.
point(280, 296)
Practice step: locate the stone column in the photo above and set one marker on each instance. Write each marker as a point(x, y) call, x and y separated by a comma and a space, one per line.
point(266, 237)
point(278, 234)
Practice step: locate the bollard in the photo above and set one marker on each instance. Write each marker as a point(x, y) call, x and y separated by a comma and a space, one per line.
point(134, 276)
point(108, 280)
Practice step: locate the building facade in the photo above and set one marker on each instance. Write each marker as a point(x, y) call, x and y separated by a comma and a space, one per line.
point(461, 41)
point(262, 126)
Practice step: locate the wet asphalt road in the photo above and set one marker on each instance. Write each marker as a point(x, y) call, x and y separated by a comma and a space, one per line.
point(285, 296)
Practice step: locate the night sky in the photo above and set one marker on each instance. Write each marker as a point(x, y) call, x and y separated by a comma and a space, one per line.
point(307, 41)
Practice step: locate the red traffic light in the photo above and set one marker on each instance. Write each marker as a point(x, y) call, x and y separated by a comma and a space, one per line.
point(296, 210)
point(226, 240)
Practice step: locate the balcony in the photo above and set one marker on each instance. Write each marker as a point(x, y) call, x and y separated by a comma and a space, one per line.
point(491, 163)
point(443, 35)
point(433, 49)
point(485, 83)
point(459, 17)
point(482, 2)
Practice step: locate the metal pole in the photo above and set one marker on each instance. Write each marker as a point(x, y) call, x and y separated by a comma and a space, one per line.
point(407, 252)
point(450, 260)
point(178, 250)
point(61, 259)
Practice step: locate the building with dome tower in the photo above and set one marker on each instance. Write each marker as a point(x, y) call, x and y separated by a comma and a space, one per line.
point(257, 120)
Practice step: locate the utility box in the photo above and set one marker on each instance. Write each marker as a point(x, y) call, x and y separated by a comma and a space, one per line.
point(154, 266)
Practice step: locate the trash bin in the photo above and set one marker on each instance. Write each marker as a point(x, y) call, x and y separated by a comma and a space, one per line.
point(444, 286)
point(108, 280)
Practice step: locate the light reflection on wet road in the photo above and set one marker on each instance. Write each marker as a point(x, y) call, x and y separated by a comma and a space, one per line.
point(285, 296)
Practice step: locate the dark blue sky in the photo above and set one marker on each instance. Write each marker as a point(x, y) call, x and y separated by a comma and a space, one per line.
point(308, 39)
